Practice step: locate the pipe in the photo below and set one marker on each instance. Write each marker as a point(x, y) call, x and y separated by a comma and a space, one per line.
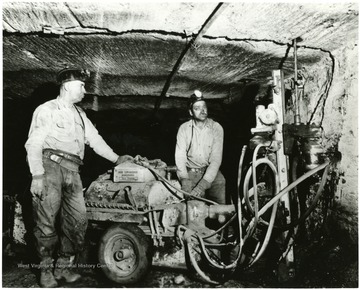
point(181, 58)
point(296, 104)
point(156, 225)
point(151, 223)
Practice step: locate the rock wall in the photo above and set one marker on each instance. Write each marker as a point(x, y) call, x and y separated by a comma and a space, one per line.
point(330, 100)
point(341, 127)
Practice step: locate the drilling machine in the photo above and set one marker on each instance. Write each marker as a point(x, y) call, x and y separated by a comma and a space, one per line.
point(141, 208)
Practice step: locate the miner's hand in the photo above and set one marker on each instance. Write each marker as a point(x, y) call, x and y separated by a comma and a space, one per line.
point(186, 185)
point(123, 159)
point(37, 187)
point(199, 189)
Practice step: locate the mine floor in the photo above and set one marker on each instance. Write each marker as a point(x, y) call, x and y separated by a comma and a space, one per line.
point(319, 265)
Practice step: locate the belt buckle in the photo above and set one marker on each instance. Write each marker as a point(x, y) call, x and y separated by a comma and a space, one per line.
point(56, 158)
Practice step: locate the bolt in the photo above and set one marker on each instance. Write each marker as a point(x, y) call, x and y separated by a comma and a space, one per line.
point(118, 256)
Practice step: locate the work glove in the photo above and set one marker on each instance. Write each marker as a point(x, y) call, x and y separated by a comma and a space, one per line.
point(123, 159)
point(186, 185)
point(37, 187)
point(199, 189)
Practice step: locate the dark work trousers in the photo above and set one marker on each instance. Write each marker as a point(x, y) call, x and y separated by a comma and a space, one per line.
point(217, 190)
point(63, 195)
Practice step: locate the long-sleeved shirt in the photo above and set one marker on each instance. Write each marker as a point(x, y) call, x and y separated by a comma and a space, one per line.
point(199, 147)
point(57, 125)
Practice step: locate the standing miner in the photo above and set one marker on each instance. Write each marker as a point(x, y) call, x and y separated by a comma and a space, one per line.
point(55, 148)
point(198, 153)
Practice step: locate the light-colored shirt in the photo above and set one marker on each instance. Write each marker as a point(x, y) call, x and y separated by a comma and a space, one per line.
point(57, 125)
point(206, 148)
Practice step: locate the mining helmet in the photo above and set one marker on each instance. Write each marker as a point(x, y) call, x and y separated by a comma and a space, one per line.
point(195, 97)
point(72, 74)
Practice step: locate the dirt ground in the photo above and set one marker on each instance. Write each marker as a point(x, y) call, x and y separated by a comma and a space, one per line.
point(326, 264)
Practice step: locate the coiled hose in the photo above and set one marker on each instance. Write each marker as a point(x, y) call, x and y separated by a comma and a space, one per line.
point(257, 212)
point(269, 230)
point(291, 186)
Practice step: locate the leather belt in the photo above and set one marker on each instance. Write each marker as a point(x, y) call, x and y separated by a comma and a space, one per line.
point(197, 170)
point(58, 155)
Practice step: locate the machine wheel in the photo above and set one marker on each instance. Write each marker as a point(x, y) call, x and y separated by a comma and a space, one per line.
point(124, 253)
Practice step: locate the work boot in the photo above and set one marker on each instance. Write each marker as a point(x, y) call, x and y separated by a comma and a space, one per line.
point(63, 270)
point(47, 279)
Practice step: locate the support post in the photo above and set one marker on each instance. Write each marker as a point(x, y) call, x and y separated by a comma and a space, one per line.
point(282, 166)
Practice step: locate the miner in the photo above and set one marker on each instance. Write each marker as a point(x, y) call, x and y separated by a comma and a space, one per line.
point(198, 153)
point(55, 149)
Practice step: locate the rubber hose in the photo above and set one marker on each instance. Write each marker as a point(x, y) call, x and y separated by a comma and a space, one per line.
point(273, 213)
point(247, 180)
point(291, 186)
point(313, 204)
point(177, 189)
point(197, 268)
point(222, 267)
point(239, 214)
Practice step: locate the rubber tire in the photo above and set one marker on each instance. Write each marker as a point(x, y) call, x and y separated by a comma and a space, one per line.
point(140, 244)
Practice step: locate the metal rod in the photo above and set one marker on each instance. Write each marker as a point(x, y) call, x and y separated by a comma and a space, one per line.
point(296, 103)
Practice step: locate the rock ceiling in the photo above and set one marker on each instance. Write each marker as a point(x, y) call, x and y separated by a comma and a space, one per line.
point(166, 49)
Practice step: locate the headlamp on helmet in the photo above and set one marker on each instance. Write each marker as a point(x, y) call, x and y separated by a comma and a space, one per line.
point(195, 97)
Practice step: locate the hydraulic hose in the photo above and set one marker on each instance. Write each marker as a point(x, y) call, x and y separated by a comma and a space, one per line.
point(247, 181)
point(241, 161)
point(313, 203)
point(239, 215)
point(196, 266)
point(267, 236)
point(223, 266)
point(290, 187)
point(203, 244)
point(251, 229)
point(221, 228)
point(174, 187)
point(274, 209)
point(239, 207)
point(256, 201)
